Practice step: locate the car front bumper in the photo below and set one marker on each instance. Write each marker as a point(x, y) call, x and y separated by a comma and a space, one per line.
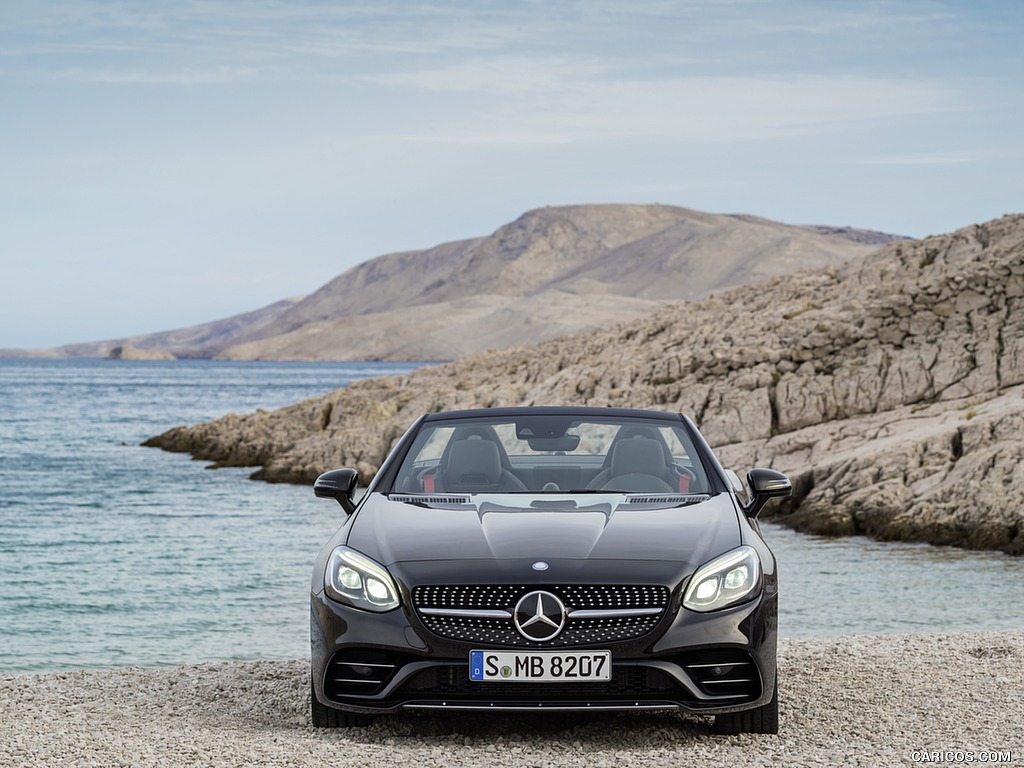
point(710, 663)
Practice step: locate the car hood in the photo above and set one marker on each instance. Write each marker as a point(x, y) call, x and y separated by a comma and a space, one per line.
point(509, 527)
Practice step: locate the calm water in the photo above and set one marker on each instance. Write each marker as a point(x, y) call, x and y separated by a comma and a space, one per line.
point(112, 554)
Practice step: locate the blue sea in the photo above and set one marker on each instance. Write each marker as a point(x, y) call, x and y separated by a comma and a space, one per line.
point(116, 555)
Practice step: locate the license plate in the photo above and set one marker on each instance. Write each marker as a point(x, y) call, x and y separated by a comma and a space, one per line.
point(540, 666)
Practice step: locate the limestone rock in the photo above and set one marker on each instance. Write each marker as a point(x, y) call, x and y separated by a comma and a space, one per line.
point(891, 388)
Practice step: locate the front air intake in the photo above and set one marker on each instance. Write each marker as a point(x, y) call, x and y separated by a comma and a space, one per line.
point(726, 673)
point(359, 672)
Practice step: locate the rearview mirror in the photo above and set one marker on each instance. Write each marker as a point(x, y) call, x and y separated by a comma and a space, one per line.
point(565, 443)
point(541, 426)
point(765, 485)
point(340, 485)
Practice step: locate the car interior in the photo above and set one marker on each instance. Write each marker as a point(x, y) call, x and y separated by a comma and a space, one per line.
point(630, 458)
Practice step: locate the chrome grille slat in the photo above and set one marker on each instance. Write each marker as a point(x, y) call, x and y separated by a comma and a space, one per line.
point(468, 613)
point(613, 613)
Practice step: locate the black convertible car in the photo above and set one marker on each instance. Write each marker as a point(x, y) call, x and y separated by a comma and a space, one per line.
point(548, 559)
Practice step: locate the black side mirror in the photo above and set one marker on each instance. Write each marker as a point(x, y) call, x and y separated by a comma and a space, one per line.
point(340, 485)
point(765, 485)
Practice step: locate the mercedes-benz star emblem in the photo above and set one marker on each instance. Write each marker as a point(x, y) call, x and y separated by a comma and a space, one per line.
point(539, 616)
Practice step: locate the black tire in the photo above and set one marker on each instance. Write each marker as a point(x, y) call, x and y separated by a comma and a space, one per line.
point(323, 716)
point(761, 720)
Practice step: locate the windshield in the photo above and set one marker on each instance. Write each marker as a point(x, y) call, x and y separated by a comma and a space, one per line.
point(551, 454)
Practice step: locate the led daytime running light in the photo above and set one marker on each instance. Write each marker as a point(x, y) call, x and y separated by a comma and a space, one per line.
point(358, 581)
point(724, 581)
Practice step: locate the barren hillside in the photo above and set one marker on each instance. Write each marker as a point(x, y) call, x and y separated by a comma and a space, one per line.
point(551, 272)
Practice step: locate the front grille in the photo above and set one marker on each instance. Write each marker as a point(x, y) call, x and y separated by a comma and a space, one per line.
point(726, 672)
point(495, 596)
point(594, 596)
point(627, 682)
point(648, 602)
point(484, 597)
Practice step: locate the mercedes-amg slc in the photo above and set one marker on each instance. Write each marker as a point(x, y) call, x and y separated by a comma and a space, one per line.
point(548, 559)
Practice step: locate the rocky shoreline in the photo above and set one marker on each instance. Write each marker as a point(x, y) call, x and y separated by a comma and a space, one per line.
point(891, 388)
point(861, 700)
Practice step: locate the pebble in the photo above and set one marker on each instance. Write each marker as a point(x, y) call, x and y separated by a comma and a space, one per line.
point(843, 701)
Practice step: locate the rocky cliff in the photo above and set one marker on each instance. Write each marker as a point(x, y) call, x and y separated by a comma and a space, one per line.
point(891, 389)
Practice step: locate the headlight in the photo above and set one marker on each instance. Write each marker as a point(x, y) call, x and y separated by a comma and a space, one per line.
point(725, 580)
point(356, 580)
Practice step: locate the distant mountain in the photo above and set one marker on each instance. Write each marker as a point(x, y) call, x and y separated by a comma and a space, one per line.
point(551, 272)
point(195, 341)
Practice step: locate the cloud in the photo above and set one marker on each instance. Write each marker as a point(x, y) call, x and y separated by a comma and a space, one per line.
point(952, 157)
point(217, 75)
point(101, 38)
point(500, 74)
point(560, 100)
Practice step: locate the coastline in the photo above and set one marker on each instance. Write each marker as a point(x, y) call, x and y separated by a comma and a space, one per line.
point(855, 700)
point(894, 400)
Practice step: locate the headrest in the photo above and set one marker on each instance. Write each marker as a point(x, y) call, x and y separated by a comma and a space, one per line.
point(637, 455)
point(473, 463)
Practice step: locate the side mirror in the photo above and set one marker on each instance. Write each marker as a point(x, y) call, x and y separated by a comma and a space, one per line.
point(340, 485)
point(765, 485)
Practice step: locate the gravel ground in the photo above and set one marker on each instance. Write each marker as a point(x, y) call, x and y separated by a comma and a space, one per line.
point(871, 701)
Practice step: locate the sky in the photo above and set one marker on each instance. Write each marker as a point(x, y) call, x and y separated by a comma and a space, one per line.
point(164, 164)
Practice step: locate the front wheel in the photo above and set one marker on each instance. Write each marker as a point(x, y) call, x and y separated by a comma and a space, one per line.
point(328, 717)
point(760, 720)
